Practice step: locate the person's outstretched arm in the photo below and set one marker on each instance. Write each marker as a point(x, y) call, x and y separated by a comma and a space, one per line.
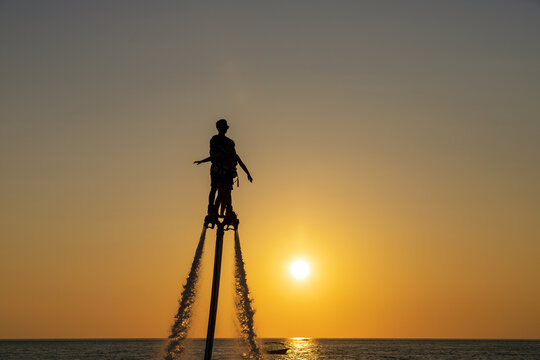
point(198, 162)
point(243, 166)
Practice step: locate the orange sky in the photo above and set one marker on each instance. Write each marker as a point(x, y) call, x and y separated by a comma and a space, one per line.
point(395, 148)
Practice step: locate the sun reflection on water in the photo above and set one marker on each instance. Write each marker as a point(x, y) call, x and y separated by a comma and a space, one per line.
point(302, 348)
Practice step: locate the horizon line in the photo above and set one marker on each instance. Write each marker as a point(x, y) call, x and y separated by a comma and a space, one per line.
point(301, 337)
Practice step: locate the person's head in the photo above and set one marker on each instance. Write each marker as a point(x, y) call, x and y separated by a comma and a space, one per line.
point(222, 126)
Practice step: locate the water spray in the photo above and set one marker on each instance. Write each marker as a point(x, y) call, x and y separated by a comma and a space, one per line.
point(243, 303)
point(179, 329)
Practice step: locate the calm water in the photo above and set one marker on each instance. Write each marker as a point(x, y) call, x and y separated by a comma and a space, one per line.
point(298, 349)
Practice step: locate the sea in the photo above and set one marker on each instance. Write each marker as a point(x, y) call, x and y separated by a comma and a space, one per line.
point(298, 348)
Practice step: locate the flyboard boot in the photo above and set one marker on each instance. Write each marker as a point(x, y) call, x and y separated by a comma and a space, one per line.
point(230, 221)
point(211, 218)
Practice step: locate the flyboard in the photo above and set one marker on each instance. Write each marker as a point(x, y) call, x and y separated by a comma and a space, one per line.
point(222, 224)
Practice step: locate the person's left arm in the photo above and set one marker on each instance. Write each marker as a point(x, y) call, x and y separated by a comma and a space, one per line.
point(243, 166)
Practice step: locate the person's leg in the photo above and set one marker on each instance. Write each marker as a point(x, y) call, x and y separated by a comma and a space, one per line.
point(220, 204)
point(212, 206)
point(228, 198)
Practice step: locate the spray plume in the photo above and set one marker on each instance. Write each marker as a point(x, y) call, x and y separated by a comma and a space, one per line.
point(243, 304)
point(179, 329)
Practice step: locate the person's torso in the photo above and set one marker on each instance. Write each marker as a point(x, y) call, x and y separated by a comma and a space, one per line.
point(223, 152)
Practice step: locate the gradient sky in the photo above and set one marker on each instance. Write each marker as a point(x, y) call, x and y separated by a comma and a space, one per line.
point(395, 145)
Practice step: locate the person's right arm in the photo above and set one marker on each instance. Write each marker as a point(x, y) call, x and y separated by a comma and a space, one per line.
point(198, 162)
point(213, 153)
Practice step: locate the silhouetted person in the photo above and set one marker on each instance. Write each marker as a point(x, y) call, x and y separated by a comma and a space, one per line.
point(223, 171)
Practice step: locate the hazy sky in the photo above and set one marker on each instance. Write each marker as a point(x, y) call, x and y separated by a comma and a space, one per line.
point(394, 145)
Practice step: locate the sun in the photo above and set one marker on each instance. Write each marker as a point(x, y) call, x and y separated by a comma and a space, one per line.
point(300, 269)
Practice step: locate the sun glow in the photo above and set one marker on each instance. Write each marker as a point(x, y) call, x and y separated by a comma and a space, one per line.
point(300, 269)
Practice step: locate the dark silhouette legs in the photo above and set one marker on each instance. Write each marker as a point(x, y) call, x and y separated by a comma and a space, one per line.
point(223, 201)
point(212, 206)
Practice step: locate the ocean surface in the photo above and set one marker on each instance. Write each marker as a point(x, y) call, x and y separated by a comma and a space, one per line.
point(299, 348)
